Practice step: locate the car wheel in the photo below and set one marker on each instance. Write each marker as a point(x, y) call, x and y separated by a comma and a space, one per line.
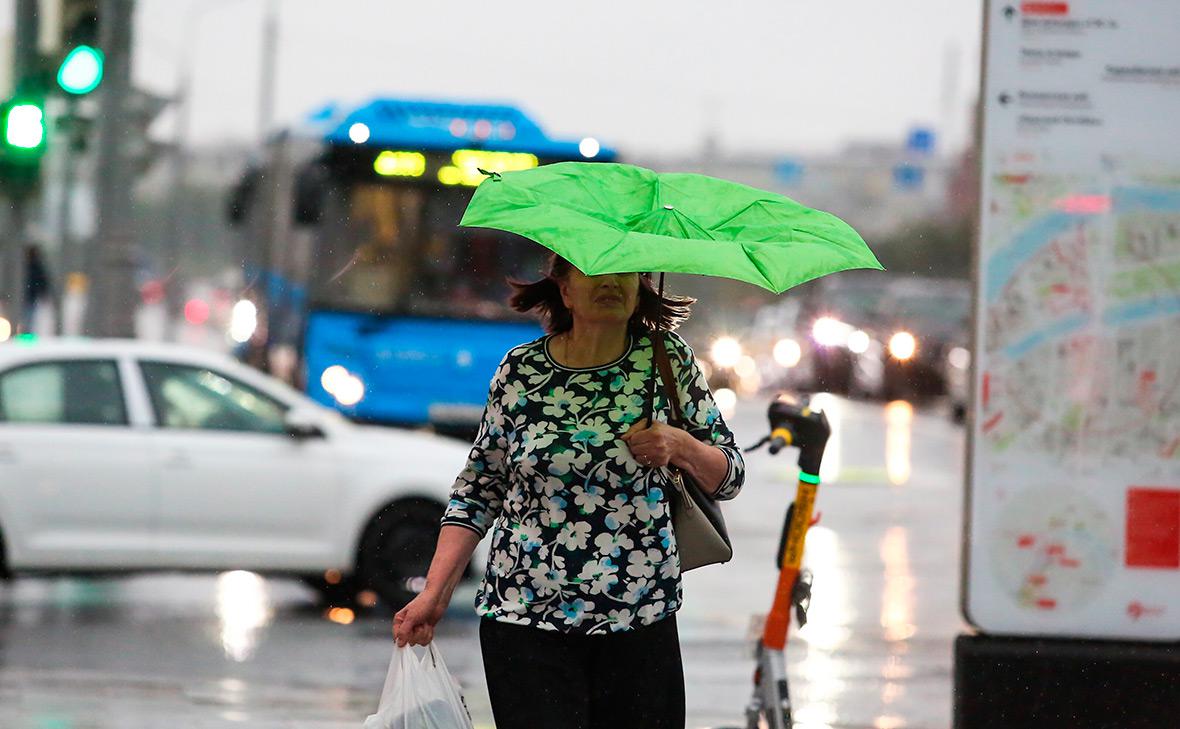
point(396, 550)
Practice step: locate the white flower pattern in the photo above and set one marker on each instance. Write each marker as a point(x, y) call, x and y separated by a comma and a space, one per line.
point(582, 540)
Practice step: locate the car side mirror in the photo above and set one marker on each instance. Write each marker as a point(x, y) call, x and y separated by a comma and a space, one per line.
point(302, 424)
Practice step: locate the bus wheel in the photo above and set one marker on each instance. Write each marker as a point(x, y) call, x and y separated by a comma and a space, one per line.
point(396, 550)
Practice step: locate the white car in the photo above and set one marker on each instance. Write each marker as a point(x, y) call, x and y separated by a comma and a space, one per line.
point(125, 456)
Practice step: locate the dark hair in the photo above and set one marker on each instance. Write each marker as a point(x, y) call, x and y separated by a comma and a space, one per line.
point(544, 297)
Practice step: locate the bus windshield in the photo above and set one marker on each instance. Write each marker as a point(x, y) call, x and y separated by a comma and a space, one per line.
point(397, 249)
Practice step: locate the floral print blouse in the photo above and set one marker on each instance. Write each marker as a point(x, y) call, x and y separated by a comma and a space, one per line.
point(582, 535)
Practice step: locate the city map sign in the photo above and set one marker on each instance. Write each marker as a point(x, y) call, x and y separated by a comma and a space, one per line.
point(1073, 503)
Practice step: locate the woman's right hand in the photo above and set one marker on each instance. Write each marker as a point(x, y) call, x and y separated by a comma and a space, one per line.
point(414, 624)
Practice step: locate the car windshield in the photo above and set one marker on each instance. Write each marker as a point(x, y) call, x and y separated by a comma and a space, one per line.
point(944, 309)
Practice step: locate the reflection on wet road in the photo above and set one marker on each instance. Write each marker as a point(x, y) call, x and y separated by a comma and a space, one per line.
point(238, 649)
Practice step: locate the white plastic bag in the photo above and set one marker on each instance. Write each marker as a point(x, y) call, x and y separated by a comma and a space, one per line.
point(419, 693)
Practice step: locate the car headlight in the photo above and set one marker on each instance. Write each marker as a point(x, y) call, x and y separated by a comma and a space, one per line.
point(902, 345)
point(959, 358)
point(787, 352)
point(726, 352)
point(243, 321)
point(829, 332)
point(858, 342)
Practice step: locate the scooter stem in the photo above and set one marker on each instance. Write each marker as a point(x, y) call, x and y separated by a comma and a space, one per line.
point(778, 621)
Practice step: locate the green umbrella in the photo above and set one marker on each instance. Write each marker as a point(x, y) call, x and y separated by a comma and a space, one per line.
point(615, 218)
point(612, 218)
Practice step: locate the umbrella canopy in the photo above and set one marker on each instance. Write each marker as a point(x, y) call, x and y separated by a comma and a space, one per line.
point(614, 218)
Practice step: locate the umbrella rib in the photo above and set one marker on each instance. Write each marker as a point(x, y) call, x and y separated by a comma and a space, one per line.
point(738, 214)
point(759, 267)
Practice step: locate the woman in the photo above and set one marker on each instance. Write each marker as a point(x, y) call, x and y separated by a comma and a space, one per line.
point(583, 580)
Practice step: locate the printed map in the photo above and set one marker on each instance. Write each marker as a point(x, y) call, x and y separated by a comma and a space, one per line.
point(1081, 303)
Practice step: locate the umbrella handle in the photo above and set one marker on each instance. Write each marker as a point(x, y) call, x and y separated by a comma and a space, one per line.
point(651, 384)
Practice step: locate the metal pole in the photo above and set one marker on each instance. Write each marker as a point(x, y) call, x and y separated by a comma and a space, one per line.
point(276, 158)
point(24, 63)
point(173, 251)
point(173, 246)
point(114, 299)
point(69, 259)
point(266, 81)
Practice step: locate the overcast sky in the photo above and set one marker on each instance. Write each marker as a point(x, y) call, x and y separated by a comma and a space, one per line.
point(649, 77)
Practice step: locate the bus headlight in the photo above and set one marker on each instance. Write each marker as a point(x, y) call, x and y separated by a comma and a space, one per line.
point(725, 352)
point(345, 387)
point(350, 391)
point(902, 345)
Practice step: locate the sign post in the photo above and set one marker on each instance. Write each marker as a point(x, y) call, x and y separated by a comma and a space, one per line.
point(1073, 501)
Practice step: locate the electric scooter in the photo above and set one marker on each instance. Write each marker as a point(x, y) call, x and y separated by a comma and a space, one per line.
point(792, 423)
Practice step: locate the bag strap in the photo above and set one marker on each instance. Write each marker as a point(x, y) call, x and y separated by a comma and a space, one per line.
point(666, 377)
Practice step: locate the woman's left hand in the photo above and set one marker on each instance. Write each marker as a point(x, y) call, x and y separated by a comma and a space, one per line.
point(656, 446)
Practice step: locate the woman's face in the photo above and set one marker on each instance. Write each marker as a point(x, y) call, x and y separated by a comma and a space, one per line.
point(609, 298)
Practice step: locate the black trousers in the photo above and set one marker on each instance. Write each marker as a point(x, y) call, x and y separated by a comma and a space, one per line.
point(540, 679)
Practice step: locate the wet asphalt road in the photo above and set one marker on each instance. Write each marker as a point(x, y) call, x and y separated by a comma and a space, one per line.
point(238, 650)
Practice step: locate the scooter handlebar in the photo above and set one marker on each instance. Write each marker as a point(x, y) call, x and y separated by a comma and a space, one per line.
point(780, 438)
point(793, 422)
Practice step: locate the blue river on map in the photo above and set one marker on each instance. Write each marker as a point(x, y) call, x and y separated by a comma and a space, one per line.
point(1005, 263)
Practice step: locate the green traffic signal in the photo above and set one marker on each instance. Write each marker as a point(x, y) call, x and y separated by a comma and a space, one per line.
point(24, 127)
point(81, 71)
point(22, 145)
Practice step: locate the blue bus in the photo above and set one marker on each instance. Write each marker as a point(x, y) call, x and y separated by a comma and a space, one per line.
point(379, 304)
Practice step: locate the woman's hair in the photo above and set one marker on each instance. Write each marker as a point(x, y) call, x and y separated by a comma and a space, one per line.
point(544, 297)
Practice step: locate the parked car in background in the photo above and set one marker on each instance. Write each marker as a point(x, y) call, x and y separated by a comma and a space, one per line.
point(120, 456)
point(924, 324)
point(838, 316)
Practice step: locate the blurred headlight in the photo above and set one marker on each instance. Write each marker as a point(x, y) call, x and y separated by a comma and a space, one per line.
point(350, 391)
point(726, 400)
point(902, 345)
point(332, 377)
point(959, 358)
point(5, 329)
point(858, 342)
point(787, 352)
point(746, 366)
point(243, 321)
point(829, 332)
point(726, 352)
point(345, 387)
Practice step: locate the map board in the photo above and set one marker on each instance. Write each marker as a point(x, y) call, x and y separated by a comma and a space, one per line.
point(1073, 502)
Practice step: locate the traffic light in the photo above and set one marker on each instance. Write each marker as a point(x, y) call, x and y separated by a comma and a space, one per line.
point(79, 23)
point(22, 145)
point(81, 70)
point(81, 67)
point(24, 130)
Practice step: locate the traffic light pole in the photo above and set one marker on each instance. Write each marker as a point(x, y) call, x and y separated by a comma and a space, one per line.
point(69, 254)
point(114, 299)
point(24, 64)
